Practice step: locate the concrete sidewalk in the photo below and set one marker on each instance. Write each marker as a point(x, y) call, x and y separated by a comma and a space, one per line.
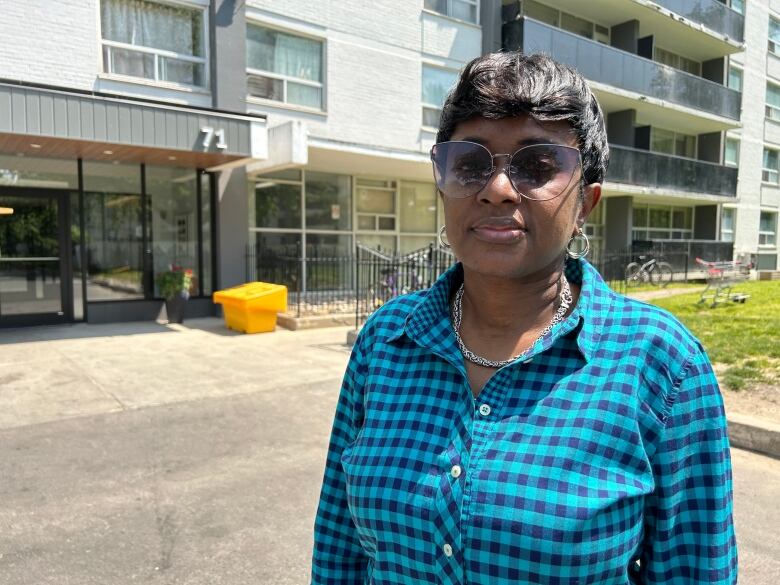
point(192, 455)
point(58, 372)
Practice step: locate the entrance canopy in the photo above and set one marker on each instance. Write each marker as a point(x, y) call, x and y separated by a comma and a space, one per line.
point(292, 147)
point(50, 122)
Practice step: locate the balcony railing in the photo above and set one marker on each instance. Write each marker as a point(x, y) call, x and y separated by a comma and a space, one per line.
point(633, 166)
point(611, 66)
point(715, 15)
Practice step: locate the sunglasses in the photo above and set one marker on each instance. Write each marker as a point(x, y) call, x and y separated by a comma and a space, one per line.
point(539, 172)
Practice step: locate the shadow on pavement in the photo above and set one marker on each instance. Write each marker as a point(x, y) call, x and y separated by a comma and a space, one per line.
point(211, 325)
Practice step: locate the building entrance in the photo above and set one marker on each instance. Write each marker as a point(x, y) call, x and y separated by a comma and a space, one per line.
point(34, 258)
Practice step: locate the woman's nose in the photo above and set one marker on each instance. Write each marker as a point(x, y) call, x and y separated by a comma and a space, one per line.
point(499, 188)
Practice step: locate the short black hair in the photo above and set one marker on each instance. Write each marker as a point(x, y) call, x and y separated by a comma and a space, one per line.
point(511, 83)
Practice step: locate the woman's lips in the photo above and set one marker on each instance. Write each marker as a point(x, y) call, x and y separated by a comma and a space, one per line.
point(495, 234)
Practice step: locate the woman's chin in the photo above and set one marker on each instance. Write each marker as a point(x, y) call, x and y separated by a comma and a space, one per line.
point(514, 261)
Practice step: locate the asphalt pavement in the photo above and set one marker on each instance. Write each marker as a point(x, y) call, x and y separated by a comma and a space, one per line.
point(147, 453)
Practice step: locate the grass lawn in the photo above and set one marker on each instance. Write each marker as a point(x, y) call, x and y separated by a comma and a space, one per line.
point(745, 338)
point(646, 286)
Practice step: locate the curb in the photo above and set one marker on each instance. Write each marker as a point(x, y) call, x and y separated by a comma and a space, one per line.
point(754, 434)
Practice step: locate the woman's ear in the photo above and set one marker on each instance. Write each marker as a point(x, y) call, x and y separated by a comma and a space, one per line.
point(591, 196)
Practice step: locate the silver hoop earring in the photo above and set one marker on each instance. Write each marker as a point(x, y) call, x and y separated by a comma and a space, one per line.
point(442, 242)
point(578, 245)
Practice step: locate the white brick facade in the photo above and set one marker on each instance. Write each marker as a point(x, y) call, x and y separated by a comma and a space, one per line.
point(57, 42)
point(50, 42)
point(759, 66)
point(373, 75)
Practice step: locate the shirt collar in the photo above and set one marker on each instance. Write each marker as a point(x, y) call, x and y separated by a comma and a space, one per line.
point(429, 322)
point(593, 307)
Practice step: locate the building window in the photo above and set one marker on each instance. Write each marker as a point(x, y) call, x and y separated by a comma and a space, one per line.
point(568, 22)
point(173, 212)
point(774, 35)
point(376, 208)
point(738, 6)
point(772, 110)
point(277, 204)
point(418, 203)
point(731, 152)
point(735, 78)
point(594, 229)
point(577, 25)
point(540, 12)
point(676, 61)
point(462, 9)
point(728, 220)
point(328, 202)
point(158, 42)
point(298, 215)
point(436, 82)
point(284, 68)
point(113, 225)
point(662, 222)
point(767, 229)
point(769, 173)
point(669, 142)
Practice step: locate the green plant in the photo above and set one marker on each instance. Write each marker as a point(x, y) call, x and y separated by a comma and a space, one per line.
point(175, 282)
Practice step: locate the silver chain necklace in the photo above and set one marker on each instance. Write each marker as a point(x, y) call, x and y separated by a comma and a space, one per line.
point(457, 313)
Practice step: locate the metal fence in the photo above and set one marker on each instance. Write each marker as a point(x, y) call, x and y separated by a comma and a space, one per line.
point(316, 284)
point(380, 277)
point(358, 284)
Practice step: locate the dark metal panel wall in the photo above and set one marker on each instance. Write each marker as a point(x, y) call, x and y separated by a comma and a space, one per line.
point(41, 112)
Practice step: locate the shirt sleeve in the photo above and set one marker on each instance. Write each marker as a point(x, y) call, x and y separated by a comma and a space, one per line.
point(338, 557)
point(689, 535)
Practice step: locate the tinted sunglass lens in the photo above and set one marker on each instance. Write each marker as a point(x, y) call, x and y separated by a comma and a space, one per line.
point(543, 171)
point(461, 169)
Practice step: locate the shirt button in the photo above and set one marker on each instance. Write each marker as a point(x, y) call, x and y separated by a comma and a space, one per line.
point(455, 471)
point(447, 550)
point(484, 409)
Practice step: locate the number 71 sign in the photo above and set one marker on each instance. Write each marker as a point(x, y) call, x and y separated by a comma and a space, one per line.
point(210, 134)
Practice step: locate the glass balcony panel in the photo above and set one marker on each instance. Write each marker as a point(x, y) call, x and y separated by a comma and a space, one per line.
point(649, 169)
point(611, 66)
point(715, 15)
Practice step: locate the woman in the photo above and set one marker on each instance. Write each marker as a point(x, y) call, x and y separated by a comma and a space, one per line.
point(519, 422)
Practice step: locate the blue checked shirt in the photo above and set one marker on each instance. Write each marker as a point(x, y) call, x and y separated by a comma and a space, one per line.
point(599, 458)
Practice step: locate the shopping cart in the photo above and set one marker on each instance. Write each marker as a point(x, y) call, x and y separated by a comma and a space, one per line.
point(721, 278)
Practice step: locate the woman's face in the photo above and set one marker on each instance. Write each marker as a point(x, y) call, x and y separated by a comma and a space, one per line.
point(498, 232)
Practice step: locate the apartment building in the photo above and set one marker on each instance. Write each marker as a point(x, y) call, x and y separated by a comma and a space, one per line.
point(752, 221)
point(123, 141)
point(670, 76)
point(353, 120)
point(150, 133)
point(660, 72)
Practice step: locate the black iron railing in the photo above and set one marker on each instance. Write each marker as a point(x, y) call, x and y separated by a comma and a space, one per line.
point(621, 69)
point(380, 277)
point(360, 283)
point(713, 14)
point(634, 166)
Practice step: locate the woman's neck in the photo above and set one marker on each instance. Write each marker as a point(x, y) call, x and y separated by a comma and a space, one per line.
point(500, 306)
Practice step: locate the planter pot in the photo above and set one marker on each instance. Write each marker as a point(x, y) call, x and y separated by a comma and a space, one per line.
point(175, 307)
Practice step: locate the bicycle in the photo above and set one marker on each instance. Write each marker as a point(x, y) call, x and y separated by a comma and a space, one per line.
point(399, 281)
point(653, 272)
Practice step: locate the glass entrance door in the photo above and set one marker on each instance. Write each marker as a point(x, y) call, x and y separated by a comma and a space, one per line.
point(32, 239)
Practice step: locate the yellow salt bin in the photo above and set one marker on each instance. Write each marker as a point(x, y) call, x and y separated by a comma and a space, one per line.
point(252, 307)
